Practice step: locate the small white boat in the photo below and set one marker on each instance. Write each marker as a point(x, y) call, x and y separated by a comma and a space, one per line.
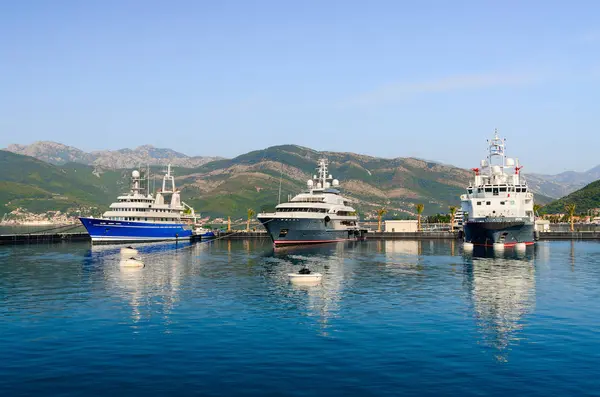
point(132, 262)
point(305, 277)
point(128, 252)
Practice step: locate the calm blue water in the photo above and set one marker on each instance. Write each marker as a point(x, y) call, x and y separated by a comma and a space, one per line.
point(390, 318)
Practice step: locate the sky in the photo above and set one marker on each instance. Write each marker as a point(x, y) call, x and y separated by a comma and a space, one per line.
point(429, 79)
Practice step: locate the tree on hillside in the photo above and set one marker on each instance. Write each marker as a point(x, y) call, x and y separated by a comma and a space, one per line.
point(452, 213)
point(536, 209)
point(380, 213)
point(570, 208)
point(250, 215)
point(420, 208)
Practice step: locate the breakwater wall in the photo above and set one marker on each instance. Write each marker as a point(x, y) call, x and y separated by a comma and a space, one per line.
point(585, 235)
point(41, 238)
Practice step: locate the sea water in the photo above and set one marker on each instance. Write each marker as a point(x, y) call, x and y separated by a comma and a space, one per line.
point(389, 318)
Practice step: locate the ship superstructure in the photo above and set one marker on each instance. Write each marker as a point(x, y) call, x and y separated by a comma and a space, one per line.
point(140, 216)
point(319, 215)
point(498, 206)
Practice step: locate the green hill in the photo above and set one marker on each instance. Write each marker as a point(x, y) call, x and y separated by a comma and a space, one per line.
point(229, 187)
point(252, 180)
point(585, 199)
point(38, 186)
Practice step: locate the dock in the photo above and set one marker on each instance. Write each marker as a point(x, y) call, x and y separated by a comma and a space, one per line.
point(44, 238)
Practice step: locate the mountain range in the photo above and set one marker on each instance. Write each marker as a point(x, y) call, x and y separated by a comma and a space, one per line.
point(59, 154)
point(553, 186)
point(585, 199)
point(230, 186)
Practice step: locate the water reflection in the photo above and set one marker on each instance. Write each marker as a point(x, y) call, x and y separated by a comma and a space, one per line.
point(153, 289)
point(502, 290)
point(322, 299)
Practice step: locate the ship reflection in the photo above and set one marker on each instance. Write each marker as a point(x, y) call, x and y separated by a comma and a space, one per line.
point(321, 299)
point(502, 290)
point(152, 291)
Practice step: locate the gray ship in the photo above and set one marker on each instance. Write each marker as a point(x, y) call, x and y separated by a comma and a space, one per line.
point(498, 206)
point(319, 215)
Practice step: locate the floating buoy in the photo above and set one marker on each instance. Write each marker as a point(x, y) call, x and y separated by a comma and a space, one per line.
point(498, 246)
point(521, 246)
point(305, 276)
point(128, 252)
point(468, 246)
point(132, 262)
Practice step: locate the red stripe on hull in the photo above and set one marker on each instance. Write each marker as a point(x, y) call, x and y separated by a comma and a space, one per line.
point(505, 244)
point(284, 242)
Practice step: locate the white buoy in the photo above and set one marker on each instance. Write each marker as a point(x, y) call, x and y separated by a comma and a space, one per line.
point(310, 278)
point(132, 262)
point(521, 246)
point(128, 252)
point(498, 246)
point(468, 246)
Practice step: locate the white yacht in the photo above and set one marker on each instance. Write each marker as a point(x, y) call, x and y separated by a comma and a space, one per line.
point(319, 215)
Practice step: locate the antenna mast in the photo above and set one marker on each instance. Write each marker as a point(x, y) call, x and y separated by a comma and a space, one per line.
point(280, 177)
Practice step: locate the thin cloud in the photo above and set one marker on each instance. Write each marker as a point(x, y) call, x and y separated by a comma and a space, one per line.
point(402, 91)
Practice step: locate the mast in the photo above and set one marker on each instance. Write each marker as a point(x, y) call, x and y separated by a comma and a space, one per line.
point(280, 177)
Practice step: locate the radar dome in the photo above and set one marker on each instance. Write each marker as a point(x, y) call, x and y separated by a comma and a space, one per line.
point(510, 162)
point(495, 169)
point(309, 183)
point(327, 184)
point(335, 182)
point(135, 174)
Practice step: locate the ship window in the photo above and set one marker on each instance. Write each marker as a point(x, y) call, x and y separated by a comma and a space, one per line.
point(488, 203)
point(469, 191)
point(283, 232)
point(524, 189)
point(518, 190)
point(495, 191)
point(479, 190)
point(503, 189)
point(479, 203)
point(488, 189)
point(501, 202)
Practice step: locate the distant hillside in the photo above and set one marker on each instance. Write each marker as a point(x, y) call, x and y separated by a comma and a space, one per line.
point(230, 187)
point(584, 199)
point(252, 181)
point(562, 184)
point(59, 154)
point(38, 186)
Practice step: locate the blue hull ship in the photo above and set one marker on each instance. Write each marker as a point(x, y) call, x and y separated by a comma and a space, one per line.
point(141, 216)
point(105, 230)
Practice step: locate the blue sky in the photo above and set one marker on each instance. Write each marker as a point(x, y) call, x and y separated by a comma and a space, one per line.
point(430, 79)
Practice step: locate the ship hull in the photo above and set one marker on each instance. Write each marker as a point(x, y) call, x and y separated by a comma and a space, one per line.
point(306, 231)
point(507, 232)
point(111, 231)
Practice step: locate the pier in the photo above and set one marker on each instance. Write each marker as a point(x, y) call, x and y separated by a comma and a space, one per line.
point(43, 238)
